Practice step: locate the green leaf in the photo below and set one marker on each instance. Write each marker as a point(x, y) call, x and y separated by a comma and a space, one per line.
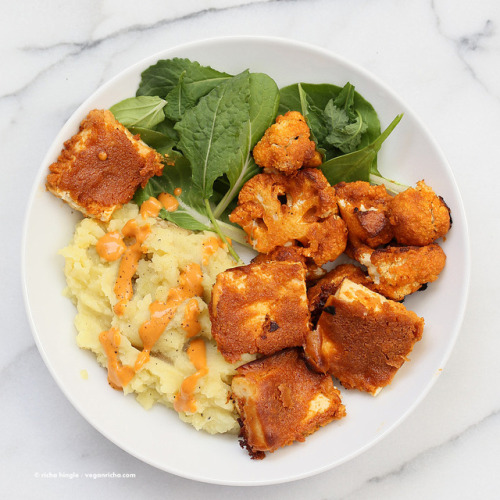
point(344, 132)
point(145, 111)
point(314, 118)
point(211, 132)
point(356, 166)
point(263, 106)
point(194, 83)
point(162, 143)
point(160, 78)
point(191, 213)
point(166, 127)
point(317, 97)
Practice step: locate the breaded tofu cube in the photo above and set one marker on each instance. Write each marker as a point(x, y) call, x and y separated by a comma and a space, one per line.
point(418, 216)
point(281, 401)
point(286, 146)
point(318, 294)
point(259, 308)
point(276, 210)
point(400, 271)
point(101, 166)
point(364, 208)
point(362, 338)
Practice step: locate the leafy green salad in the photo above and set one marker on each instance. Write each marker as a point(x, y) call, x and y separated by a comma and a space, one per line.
point(206, 123)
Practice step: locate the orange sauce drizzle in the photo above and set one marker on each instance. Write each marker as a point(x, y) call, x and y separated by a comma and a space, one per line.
point(169, 202)
point(151, 208)
point(162, 313)
point(190, 323)
point(184, 399)
point(110, 247)
point(178, 191)
point(209, 247)
point(118, 375)
point(128, 265)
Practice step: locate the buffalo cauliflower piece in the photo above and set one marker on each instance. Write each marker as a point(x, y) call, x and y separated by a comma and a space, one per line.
point(364, 209)
point(292, 254)
point(418, 216)
point(277, 210)
point(400, 271)
point(286, 146)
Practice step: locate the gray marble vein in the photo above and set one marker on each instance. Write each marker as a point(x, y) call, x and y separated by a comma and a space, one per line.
point(466, 45)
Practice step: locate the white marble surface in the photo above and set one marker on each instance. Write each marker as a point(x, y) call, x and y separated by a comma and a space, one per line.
point(442, 57)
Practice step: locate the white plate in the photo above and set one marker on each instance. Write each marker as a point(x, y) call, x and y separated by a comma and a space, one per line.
point(158, 437)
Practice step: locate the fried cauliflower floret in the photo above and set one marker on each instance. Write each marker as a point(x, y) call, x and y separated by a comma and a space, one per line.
point(101, 166)
point(362, 338)
point(292, 254)
point(400, 271)
point(276, 210)
point(418, 216)
point(286, 146)
point(259, 308)
point(364, 209)
point(318, 294)
point(281, 401)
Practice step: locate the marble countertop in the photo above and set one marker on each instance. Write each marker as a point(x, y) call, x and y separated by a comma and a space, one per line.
point(440, 56)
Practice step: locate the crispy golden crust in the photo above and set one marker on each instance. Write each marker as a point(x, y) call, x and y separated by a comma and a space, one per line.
point(276, 210)
point(281, 401)
point(400, 271)
point(362, 338)
point(364, 209)
point(418, 216)
point(318, 294)
point(292, 254)
point(101, 166)
point(259, 308)
point(286, 146)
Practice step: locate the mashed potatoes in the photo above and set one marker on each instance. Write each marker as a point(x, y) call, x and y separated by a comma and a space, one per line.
point(170, 249)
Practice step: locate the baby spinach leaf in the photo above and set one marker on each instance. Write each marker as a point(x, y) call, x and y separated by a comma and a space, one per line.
point(160, 78)
point(145, 111)
point(345, 132)
point(210, 133)
point(263, 106)
point(191, 213)
point(163, 77)
point(194, 83)
point(357, 165)
point(317, 97)
point(315, 119)
point(166, 127)
point(161, 142)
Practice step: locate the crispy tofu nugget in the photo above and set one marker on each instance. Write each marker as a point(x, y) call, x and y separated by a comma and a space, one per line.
point(277, 210)
point(418, 216)
point(286, 145)
point(101, 166)
point(362, 338)
point(259, 308)
point(281, 401)
point(318, 294)
point(364, 209)
point(292, 254)
point(400, 271)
